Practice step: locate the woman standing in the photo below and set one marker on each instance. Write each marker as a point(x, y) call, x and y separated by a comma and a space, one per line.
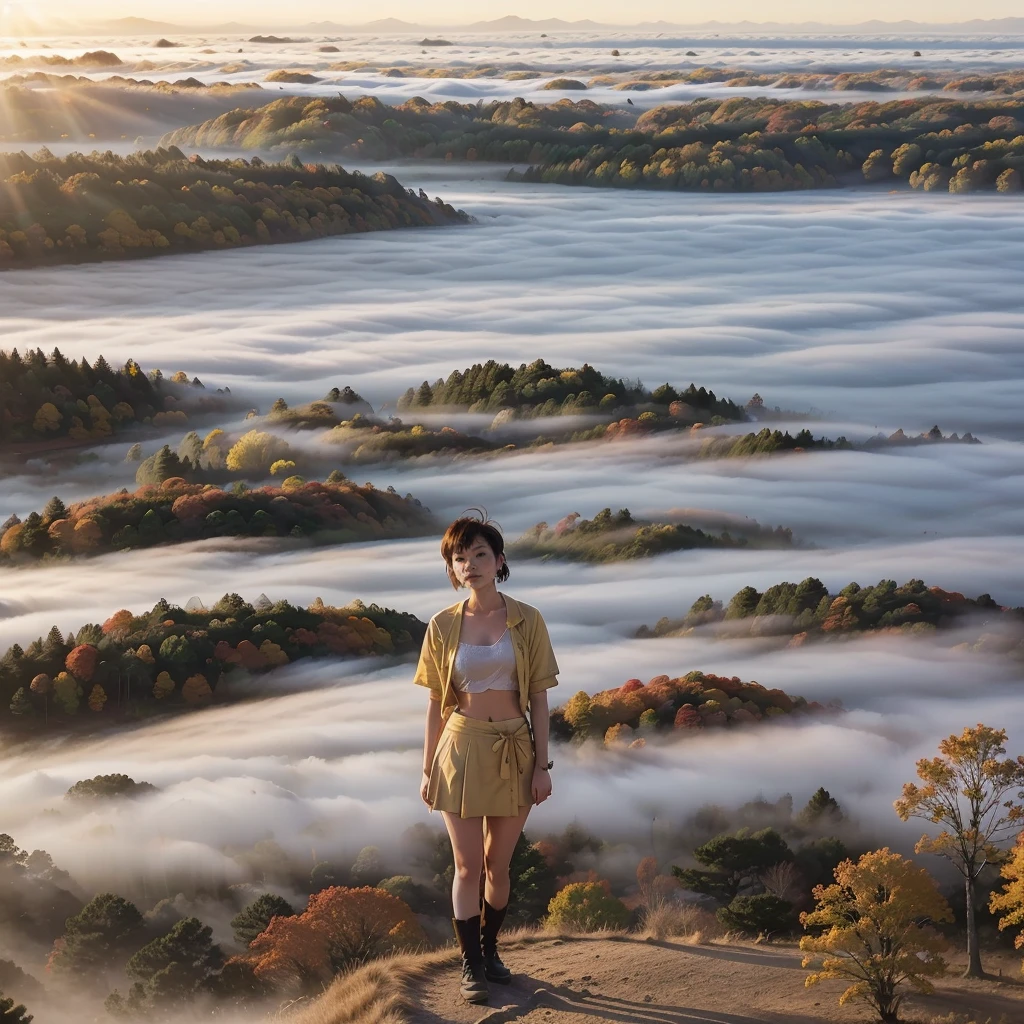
point(487, 661)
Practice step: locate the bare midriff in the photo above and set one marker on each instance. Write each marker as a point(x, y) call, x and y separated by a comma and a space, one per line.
point(496, 705)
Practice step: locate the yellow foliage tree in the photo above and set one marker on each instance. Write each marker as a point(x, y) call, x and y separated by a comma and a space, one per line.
point(97, 698)
point(47, 418)
point(281, 466)
point(256, 452)
point(274, 653)
point(76, 237)
point(145, 653)
point(164, 685)
point(10, 543)
point(66, 692)
point(1009, 903)
point(619, 734)
point(586, 907)
point(170, 418)
point(577, 712)
point(970, 791)
point(872, 931)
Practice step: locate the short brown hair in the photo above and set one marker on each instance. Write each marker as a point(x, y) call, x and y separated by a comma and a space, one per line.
point(470, 526)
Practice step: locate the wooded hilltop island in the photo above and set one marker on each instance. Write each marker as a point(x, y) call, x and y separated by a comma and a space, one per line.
point(672, 708)
point(807, 610)
point(179, 658)
point(616, 537)
point(47, 399)
point(522, 406)
point(745, 144)
point(334, 512)
point(104, 206)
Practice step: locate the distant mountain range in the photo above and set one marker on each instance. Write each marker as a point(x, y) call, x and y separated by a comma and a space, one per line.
point(16, 23)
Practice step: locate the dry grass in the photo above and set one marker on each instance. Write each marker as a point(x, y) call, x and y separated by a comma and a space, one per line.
point(382, 992)
point(964, 1018)
point(695, 926)
point(376, 993)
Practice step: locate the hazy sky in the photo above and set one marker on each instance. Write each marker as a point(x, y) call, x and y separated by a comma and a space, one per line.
point(463, 11)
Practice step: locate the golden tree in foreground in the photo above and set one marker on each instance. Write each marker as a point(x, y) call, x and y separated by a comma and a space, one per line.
point(1009, 904)
point(973, 791)
point(872, 931)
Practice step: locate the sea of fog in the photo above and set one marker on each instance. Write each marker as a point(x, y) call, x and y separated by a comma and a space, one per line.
point(234, 58)
point(865, 309)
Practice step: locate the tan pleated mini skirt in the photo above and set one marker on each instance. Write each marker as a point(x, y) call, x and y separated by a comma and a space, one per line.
point(482, 768)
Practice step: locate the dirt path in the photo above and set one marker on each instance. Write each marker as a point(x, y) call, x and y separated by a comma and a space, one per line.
point(583, 981)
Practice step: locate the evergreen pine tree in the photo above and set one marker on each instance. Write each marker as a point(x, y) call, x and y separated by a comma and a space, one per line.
point(20, 703)
point(821, 809)
point(102, 369)
point(99, 936)
point(53, 645)
point(54, 510)
point(254, 919)
point(11, 1014)
point(424, 396)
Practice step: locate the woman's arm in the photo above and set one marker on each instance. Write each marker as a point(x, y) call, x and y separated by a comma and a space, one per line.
point(540, 721)
point(431, 732)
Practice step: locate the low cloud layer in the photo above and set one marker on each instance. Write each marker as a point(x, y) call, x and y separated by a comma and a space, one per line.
point(879, 311)
point(324, 771)
point(857, 303)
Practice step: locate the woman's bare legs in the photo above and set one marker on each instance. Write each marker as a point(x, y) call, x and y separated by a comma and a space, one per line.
point(499, 841)
point(467, 836)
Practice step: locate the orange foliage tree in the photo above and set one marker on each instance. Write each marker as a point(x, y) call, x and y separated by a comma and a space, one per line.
point(340, 926)
point(119, 623)
point(82, 661)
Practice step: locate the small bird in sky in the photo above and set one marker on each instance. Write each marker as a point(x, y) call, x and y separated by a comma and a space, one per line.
point(629, 101)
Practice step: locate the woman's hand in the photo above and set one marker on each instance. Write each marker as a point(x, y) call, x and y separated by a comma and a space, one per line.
point(423, 788)
point(541, 787)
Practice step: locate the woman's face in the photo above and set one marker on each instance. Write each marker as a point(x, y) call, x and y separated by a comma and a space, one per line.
point(477, 565)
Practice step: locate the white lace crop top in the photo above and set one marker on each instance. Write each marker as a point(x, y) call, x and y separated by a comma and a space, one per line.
point(478, 667)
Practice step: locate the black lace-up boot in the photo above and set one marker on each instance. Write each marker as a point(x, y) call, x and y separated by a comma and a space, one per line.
point(474, 980)
point(490, 924)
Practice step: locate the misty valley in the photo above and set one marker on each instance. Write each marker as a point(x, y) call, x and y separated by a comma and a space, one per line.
point(747, 411)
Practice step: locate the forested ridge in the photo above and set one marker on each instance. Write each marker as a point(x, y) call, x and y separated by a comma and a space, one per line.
point(809, 609)
point(767, 442)
point(737, 144)
point(52, 397)
point(105, 206)
point(629, 714)
point(540, 389)
point(613, 408)
point(614, 537)
point(179, 657)
point(177, 511)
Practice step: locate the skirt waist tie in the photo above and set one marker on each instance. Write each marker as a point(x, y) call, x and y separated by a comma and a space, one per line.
point(512, 745)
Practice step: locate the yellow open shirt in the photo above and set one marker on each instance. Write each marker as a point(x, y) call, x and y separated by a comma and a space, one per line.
point(536, 667)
